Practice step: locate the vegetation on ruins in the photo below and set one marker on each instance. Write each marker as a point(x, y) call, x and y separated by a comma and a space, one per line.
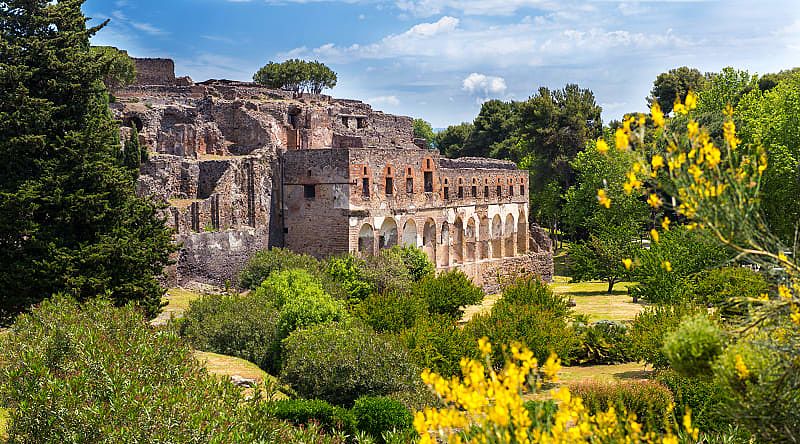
point(423, 130)
point(119, 67)
point(69, 219)
point(296, 75)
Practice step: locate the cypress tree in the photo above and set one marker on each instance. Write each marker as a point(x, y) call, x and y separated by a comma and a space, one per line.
point(70, 221)
point(132, 154)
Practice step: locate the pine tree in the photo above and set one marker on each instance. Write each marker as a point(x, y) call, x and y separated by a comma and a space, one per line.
point(132, 153)
point(69, 219)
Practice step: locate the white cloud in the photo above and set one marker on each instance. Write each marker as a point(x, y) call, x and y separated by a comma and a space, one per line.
point(483, 85)
point(384, 100)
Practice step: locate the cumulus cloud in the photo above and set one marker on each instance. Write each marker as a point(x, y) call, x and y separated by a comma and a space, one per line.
point(483, 85)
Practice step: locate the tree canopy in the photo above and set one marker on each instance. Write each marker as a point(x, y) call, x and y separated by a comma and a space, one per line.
point(70, 221)
point(119, 67)
point(423, 130)
point(296, 75)
point(675, 83)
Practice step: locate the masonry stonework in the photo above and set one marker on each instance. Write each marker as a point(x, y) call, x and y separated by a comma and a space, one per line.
point(243, 168)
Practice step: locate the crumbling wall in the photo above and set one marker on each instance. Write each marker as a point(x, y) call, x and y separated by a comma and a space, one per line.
point(155, 72)
point(494, 275)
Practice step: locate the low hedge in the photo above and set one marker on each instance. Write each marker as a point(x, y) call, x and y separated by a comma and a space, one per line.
point(649, 400)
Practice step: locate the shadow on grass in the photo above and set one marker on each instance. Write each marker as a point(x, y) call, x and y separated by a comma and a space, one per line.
point(598, 293)
point(634, 374)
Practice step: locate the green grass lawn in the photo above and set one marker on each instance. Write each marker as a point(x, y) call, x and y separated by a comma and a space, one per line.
point(227, 366)
point(618, 372)
point(178, 300)
point(592, 299)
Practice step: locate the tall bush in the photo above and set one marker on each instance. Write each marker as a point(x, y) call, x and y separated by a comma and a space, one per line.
point(348, 271)
point(650, 401)
point(447, 292)
point(377, 415)
point(436, 342)
point(265, 262)
point(94, 373)
point(391, 311)
point(729, 289)
point(532, 291)
point(245, 327)
point(651, 326)
point(693, 346)
point(340, 364)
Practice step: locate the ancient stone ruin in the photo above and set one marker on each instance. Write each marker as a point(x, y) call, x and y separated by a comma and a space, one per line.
point(244, 168)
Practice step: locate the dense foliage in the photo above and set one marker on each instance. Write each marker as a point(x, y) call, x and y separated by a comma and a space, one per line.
point(69, 218)
point(119, 67)
point(438, 343)
point(296, 75)
point(245, 327)
point(650, 401)
point(693, 346)
point(95, 373)
point(377, 415)
point(391, 311)
point(265, 262)
point(340, 364)
point(447, 292)
point(651, 326)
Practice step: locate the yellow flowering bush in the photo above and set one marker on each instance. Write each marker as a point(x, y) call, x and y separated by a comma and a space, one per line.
point(715, 185)
point(487, 406)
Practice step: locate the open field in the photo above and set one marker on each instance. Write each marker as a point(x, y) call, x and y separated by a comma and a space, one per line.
point(178, 300)
point(592, 299)
point(618, 372)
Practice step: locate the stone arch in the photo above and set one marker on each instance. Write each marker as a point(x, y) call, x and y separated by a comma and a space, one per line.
point(429, 239)
point(410, 233)
point(366, 240)
point(522, 232)
point(470, 244)
point(444, 246)
point(388, 234)
point(497, 237)
point(509, 237)
point(483, 238)
point(458, 241)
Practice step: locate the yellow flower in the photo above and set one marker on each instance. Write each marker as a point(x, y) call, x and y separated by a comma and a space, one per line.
point(628, 263)
point(763, 296)
point(741, 368)
point(666, 265)
point(782, 257)
point(621, 139)
point(602, 146)
point(658, 115)
point(657, 161)
point(603, 199)
point(784, 292)
point(678, 106)
point(654, 235)
point(694, 129)
point(691, 100)
point(665, 223)
point(654, 201)
point(795, 317)
point(551, 368)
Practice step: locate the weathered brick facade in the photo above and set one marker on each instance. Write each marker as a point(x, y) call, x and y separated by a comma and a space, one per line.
point(244, 168)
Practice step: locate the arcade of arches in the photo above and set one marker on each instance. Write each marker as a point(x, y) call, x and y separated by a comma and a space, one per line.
point(467, 239)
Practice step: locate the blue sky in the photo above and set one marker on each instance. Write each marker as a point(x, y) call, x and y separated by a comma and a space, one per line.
point(439, 59)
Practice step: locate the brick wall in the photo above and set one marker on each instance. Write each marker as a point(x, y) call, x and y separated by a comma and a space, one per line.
point(155, 72)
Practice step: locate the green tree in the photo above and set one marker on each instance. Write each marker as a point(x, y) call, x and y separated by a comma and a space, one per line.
point(601, 256)
point(771, 80)
point(673, 84)
point(70, 221)
point(423, 130)
point(296, 75)
point(119, 67)
point(133, 154)
point(452, 142)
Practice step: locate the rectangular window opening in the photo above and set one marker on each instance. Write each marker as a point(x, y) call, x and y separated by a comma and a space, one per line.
point(409, 185)
point(511, 190)
point(365, 187)
point(499, 191)
point(428, 182)
point(389, 186)
point(522, 190)
point(460, 192)
point(446, 193)
point(309, 191)
point(474, 191)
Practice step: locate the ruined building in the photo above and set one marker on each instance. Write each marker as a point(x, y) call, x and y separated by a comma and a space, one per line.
point(244, 168)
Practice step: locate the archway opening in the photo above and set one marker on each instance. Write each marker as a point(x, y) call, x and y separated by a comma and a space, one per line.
point(444, 246)
point(458, 241)
point(388, 234)
point(366, 240)
point(510, 237)
point(522, 233)
point(497, 237)
point(470, 245)
point(429, 239)
point(410, 233)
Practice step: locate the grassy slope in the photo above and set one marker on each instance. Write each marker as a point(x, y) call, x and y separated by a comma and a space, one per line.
point(227, 366)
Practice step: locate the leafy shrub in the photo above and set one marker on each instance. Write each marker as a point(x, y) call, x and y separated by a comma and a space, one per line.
point(725, 287)
point(95, 373)
point(388, 272)
point(758, 393)
point(693, 346)
point(688, 251)
point(286, 285)
point(416, 261)
point(245, 327)
point(348, 271)
point(447, 292)
point(339, 365)
point(437, 343)
point(391, 311)
point(604, 343)
point(650, 327)
point(650, 401)
point(698, 395)
point(540, 329)
point(532, 291)
point(309, 309)
point(304, 411)
point(265, 262)
point(377, 415)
